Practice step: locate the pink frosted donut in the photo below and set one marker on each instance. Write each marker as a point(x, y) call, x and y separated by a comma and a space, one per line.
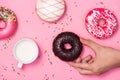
point(101, 23)
point(8, 22)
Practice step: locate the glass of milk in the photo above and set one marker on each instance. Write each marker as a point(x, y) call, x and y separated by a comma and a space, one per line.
point(25, 51)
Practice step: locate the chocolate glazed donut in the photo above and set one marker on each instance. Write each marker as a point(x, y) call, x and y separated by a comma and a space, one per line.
point(60, 49)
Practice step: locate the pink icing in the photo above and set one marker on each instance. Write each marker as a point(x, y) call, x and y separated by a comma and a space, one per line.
point(8, 22)
point(101, 23)
point(8, 30)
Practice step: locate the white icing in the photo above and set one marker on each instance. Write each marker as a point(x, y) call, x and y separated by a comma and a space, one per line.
point(50, 10)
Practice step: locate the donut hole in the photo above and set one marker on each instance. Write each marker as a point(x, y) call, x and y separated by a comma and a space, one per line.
point(67, 46)
point(2, 24)
point(101, 22)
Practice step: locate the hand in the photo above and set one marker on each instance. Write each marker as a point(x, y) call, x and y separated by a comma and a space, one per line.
point(106, 59)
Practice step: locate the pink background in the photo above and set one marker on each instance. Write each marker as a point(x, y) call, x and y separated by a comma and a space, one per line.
point(47, 66)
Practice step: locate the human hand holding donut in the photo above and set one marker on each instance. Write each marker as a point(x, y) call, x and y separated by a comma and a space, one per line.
point(106, 59)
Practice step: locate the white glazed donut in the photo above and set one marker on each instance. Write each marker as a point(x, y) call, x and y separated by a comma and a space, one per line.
point(50, 10)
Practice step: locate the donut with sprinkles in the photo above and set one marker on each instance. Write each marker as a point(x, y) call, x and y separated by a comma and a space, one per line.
point(8, 22)
point(101, 23)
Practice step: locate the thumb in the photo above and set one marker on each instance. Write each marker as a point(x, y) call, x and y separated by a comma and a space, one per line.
point(90, 44)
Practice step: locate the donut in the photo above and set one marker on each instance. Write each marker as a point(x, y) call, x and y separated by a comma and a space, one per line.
point(50, 10)
point(69, 52)
point(8, 22)
point(101, 23)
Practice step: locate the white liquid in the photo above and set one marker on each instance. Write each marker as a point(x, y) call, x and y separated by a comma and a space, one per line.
point(26, 51)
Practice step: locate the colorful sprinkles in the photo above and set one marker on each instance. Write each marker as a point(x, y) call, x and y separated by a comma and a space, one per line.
point(7, 15)
point(6, 43)
point(100, 4)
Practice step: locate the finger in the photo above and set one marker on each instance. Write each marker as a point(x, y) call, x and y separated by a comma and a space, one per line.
point(91, 61)
point(73, 64)
point(85, 66)
point(84, 71)
point(87, 59)
point(80, 65)
point(90, 43)
point(78, 60)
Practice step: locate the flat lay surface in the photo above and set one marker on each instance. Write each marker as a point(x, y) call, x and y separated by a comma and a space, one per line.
point(47, 66)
